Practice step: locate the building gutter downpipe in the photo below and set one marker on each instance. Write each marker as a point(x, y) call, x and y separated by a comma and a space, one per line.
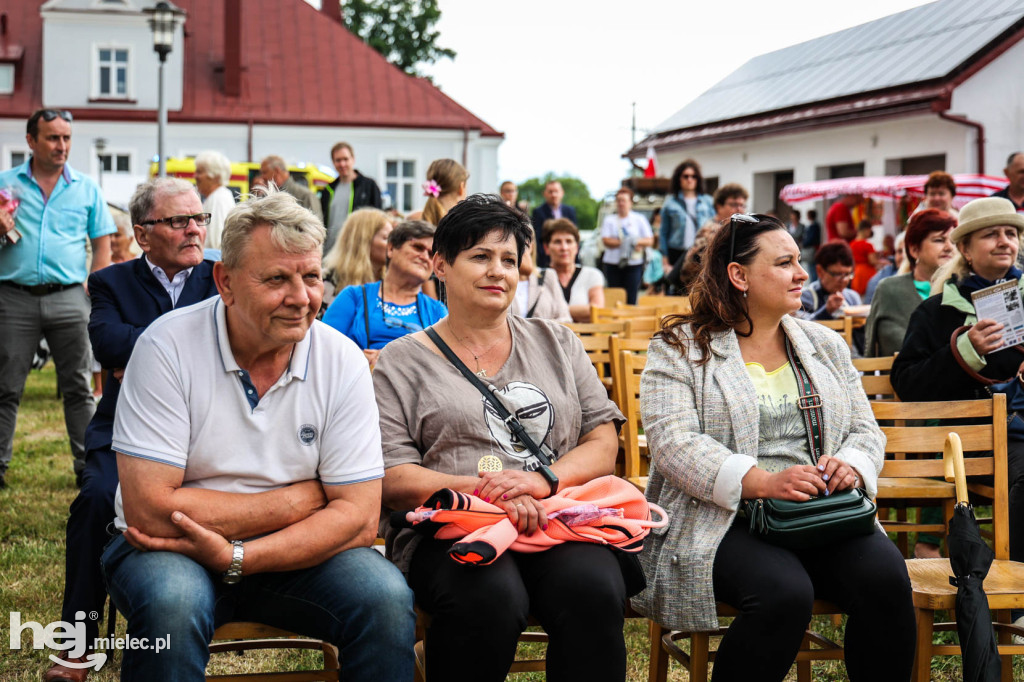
point(979, 129)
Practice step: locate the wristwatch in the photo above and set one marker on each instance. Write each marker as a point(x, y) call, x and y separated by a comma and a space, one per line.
point(550, 477)
point(234, 572)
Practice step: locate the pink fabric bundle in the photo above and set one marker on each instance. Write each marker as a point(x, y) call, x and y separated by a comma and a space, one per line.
point(607, 511)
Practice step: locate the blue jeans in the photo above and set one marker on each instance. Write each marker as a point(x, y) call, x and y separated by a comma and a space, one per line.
point(356, 600)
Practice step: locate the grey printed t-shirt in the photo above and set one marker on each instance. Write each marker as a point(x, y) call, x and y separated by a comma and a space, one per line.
point(432, 416)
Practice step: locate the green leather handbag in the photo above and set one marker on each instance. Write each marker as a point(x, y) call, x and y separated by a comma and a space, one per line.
point(820, 520)
point(815, 523)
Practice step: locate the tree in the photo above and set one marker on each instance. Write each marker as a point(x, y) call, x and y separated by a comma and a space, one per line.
point(401, 30)
point(577, 195)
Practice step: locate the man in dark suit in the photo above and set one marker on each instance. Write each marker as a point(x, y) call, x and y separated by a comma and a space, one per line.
point(551, 208)
point(170, 227)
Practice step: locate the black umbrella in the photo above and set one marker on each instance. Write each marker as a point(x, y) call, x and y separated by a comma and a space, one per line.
point(970, 558)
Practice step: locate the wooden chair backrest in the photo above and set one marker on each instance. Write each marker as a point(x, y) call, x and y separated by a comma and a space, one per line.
point(616, 345)
point(614, 296)
point(642, 327)
point(985, 443)
point(843, 325)
point(619, 314)
point(631, 366)
point(875, 377)
point(594, 336)
point(677, 304)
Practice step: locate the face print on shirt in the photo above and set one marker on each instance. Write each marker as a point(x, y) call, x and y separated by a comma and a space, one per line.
point(531, 407)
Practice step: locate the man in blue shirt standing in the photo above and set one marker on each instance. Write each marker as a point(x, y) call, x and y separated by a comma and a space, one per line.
point(42, 273)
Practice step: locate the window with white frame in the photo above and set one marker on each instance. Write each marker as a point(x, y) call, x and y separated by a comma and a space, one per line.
point(17, 157)
point(112, 72)
point(6, 79)
point(400, 177)
point(116, 162)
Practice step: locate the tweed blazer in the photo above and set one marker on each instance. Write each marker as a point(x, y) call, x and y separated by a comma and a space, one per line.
point(698, 416)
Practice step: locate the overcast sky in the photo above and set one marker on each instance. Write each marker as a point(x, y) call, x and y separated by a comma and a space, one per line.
point(559, 77)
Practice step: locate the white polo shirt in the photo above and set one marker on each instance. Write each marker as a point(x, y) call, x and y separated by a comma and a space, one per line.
point(186, 403)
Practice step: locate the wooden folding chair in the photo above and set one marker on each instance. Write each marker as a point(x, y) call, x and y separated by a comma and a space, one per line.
point(678, 304)
point(635, 467)
point(911, 476)
point(843, 325)
point(620, 313)
point(987, 469)
point(642, 327)
point(665, 645)
point(242, 636)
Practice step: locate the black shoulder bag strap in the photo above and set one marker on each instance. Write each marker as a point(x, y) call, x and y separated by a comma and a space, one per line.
point(567, 289)
point(488, 393)
point(366, 316)
point(809, 403)
point(540, 292)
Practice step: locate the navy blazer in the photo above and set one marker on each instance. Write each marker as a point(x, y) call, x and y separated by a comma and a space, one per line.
point(541, 214)
point(126, 298)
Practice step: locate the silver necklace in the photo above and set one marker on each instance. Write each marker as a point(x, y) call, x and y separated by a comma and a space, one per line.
point(482, 373)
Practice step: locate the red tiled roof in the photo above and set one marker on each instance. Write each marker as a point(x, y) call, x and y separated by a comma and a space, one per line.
point(299, 67)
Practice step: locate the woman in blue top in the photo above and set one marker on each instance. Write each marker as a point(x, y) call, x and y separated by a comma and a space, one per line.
point(376, 313)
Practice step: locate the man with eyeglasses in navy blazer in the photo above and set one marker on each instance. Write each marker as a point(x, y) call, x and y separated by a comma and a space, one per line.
point(170, 228)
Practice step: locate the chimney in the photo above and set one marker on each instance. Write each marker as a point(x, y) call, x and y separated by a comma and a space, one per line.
point(233, 48)
point(332, 8)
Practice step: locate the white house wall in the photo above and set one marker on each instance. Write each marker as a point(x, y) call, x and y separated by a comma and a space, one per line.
point(995, 97)
point(804, 153)
point(70, 72)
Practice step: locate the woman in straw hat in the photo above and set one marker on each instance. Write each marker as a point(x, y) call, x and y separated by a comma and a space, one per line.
point(939, 361)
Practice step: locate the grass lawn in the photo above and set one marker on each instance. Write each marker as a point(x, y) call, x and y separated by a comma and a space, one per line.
point(32, 517)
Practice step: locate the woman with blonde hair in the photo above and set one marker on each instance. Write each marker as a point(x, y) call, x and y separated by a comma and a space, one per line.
point(359, 252)
point(445, 187)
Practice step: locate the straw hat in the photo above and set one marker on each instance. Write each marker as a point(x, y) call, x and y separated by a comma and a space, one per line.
point(987, 212)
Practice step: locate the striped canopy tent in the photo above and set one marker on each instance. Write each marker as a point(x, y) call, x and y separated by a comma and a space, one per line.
point(968, 186)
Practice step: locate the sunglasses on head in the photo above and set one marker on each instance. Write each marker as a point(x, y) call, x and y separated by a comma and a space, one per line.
point(734, 222)
point(50, 114)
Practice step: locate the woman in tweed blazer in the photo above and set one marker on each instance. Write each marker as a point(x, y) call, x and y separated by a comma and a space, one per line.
point(721, 429)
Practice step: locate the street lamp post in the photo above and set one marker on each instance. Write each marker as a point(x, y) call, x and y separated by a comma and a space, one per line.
point(164, 18)
point(100, 143)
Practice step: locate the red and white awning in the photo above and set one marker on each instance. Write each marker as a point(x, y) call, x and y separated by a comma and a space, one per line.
point(968, 186)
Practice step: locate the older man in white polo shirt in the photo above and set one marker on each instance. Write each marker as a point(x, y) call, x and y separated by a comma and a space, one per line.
point(250, 464)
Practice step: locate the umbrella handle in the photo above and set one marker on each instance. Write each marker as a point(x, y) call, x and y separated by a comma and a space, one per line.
point(953, 459)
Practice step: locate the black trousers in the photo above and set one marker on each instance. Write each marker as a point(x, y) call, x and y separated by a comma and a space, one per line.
point(628, 278)
point(575, 591)
point(91, 512)
point(774, 589)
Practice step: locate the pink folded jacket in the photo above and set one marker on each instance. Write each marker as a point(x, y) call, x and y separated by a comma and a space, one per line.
point(606, 511)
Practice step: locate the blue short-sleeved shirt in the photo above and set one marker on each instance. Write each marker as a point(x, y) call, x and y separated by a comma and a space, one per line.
point(53, 231)
point(387, 320)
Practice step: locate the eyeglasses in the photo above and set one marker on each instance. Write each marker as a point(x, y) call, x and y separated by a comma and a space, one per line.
point(734, 221)
point(841, 276)
point(688, 176)
point(180, 222)
point(50, 114)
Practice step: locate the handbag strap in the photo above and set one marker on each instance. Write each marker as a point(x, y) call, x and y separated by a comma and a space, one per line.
point(984, 381)
point(809, 403)
point(366, 316)
point(540, 292)
point(513, 424)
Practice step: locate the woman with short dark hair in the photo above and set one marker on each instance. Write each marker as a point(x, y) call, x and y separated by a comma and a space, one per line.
point(437, 432)
point(718, 398)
